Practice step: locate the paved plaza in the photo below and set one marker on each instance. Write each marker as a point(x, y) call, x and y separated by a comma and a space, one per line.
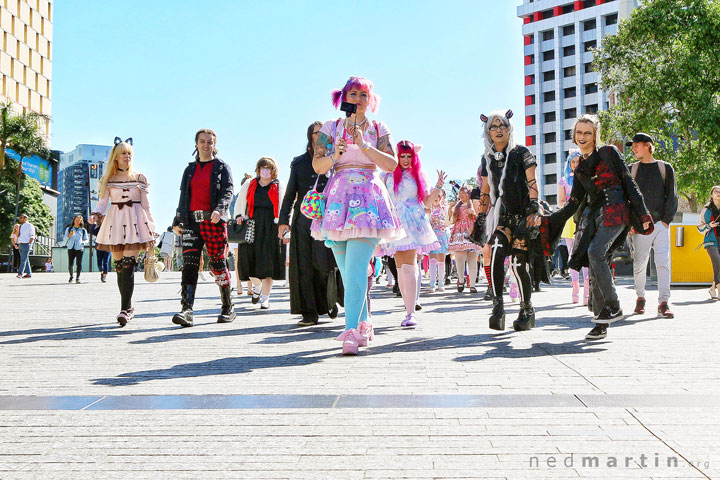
point(262, 398)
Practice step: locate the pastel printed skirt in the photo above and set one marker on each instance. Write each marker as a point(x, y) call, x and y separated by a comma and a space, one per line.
point(357, 205)
point(419, 235)
point(443, 236)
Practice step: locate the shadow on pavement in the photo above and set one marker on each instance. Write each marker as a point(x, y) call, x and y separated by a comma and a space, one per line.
point(223, 366)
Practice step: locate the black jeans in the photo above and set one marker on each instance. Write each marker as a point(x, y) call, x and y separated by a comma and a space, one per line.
point(75, 255)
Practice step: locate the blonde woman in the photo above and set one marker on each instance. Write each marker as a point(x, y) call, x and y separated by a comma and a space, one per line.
point(128, 227)
point(263, 260)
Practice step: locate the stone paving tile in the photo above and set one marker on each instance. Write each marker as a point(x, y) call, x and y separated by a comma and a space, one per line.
point(62, 348)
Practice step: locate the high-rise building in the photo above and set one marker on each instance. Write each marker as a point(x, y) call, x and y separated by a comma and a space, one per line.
point(560, 83)
point(80, 169)
point(26, 55)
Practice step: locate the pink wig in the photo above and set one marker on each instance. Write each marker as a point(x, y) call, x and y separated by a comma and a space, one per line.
point(358, 83)
point(406, 146)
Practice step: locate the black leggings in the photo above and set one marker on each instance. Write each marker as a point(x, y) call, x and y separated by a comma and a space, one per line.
point(714, 254)
point(75, 255)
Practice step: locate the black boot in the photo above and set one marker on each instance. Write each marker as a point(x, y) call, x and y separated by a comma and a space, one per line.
point(227, 313)
point(497, 319)
point(489, 293)
point(526, 318)
point(185, 317)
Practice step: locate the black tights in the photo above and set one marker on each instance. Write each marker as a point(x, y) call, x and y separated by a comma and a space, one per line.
point(500, 249)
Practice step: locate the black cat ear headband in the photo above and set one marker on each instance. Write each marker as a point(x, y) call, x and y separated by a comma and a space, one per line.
point(509, 114)
point(119, 140)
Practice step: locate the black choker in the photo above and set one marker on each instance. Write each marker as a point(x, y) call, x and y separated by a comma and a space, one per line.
point(121, 170)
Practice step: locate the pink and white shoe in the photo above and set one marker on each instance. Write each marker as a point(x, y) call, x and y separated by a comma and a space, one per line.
point(351, 341)
point(367, 333)
point(125, 316)
point(410, 321)
point(586, 291)
point(575, 292)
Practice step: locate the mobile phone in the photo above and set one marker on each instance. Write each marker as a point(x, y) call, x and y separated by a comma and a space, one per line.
point(348, 108)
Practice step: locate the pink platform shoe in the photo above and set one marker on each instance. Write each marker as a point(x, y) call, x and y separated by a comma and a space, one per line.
point(586, 291)
point(367, 333)
point(351, 341)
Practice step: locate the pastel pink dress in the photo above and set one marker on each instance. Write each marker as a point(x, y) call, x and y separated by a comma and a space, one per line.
point(128, 223)
point(357, 203)
point(460, 231)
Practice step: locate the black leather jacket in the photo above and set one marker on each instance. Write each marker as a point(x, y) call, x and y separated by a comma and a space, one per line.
point(221, 191)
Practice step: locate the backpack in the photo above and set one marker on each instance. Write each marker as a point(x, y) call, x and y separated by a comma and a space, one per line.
point(661, 166)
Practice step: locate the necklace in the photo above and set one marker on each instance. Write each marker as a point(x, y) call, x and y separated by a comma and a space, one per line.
point(122, 170)
point(347, 123)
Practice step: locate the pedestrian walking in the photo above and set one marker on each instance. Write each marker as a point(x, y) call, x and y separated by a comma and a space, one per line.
point(263, 260)
point(166, 244)
point(206, 190)
point(25, 240)
point(358, 211)
point(612, 202)
point(462, 217)
point(76, 237)
point(128, 227)
point(408, 189)
point(509, 185)
point(656, 181)
point(103, 256)
point(315, 283)
point(439, 224)
point(710, 227)
point(568, 233)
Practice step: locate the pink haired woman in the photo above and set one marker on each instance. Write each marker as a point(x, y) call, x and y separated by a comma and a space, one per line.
point(358, 210)
point(408, 190)
point(462, 217)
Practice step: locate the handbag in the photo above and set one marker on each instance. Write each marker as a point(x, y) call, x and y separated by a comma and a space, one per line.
point(151, 267)
point(242, 232)
point(313, 203)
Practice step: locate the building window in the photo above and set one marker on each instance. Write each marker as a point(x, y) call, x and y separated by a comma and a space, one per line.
point(569, 71)
point(591, 88)
point(549, 117)
point(611, 19)
point(568, 30)
point(551, 179)
point(531, 39)
point(548, 35)
point(589, 25)
point(589, 3)
point(590, 44)
point(569, 92)
point(550, 158)
point(568, 134)
point(549, 55)
point(549, 75)
point(550, 137)
point(570, 113)
point(569, 51)
point(549, 96)
point(589, 67)
point(591, 108)
point(569, 8)
point(551, 199)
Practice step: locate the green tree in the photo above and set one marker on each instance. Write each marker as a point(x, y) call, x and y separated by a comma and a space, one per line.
point(663, 63)
point(31, 201)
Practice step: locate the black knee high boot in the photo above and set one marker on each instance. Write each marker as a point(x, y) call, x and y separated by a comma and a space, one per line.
point(187, 292)
point(227, 312)
point(526, 317)
point(129, 264)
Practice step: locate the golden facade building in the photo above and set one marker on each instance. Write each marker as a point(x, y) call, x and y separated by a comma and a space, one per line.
point(26, 55)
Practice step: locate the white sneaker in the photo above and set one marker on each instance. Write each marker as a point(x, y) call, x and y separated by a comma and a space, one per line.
point(264, 302)
point(440, 288)
point(433, 289)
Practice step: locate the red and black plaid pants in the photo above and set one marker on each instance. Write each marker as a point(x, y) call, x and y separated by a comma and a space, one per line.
point(214, 237)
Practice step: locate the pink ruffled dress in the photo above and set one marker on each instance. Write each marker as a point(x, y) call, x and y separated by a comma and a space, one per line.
point(128, 223)
point(460, 231)
point(357, 203)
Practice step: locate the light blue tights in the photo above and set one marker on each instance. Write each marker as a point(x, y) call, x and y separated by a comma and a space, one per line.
point(353, 257)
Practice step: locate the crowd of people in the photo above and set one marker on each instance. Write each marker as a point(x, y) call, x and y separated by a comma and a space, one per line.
point(357, 203)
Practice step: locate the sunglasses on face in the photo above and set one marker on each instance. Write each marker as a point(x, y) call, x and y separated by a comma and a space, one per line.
point(495, 128)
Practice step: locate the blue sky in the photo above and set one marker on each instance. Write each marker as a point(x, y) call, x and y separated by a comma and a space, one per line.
point(259, 72)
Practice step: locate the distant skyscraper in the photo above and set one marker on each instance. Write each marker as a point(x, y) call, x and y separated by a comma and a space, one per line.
point(85, 164)
point(560, 83)
point(25, 57)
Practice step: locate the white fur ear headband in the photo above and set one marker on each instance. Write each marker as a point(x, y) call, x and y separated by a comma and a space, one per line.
point(417, 148)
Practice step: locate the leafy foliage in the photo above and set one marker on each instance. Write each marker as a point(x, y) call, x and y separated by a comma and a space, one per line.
point(31, 203)
point(664, 63)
